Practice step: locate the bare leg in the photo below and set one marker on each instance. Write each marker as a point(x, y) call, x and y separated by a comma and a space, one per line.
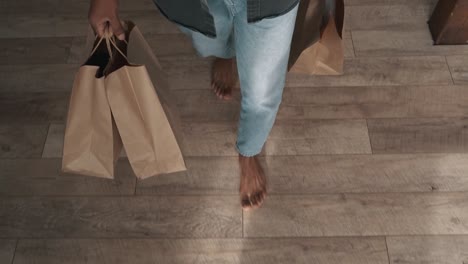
point(224, 77)
point(252, 182)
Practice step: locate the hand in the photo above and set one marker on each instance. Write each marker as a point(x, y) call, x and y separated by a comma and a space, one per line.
point(104, 13)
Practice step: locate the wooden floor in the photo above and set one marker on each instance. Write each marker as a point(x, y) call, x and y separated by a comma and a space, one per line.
point(368, 167)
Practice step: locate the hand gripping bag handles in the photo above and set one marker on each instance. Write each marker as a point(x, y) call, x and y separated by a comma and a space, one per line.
point(91, 143)
point(146, 133)
point(140, 119)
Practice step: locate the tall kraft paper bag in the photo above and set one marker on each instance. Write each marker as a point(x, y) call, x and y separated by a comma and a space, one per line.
point(148, 138)
point(317, 46)
point(91, 143)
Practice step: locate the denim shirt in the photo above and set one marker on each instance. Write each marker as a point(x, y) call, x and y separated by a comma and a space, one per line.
point(195, 15)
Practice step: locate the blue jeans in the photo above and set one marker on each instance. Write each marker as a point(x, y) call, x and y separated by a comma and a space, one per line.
point(262, 52)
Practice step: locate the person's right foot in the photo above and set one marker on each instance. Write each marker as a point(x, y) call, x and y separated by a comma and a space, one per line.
point(252, 183)
point(224, 77)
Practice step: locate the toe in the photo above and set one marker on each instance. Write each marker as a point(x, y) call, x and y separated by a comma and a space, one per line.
point(227, 93)
point(245, 203)
point(260, 197)
point(255, 199)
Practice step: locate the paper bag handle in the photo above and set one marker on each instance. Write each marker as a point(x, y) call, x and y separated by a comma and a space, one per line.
point(109, 37)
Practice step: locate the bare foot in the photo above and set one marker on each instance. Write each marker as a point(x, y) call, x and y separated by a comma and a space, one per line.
point(224, 77)
point(252, 183)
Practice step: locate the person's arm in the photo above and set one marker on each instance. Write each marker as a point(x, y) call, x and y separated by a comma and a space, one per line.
point(103, 13)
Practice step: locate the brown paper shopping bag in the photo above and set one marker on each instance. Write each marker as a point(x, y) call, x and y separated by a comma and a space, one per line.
point(91, 143)
point(139, 52)
point(147, 136)
point(317, 47)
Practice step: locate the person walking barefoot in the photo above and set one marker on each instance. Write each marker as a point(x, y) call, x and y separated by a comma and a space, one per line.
point(251, 41)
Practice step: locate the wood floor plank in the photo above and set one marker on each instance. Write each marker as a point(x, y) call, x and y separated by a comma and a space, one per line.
point(204, 105)
point(37, 25)
point(336, 103)
point(459, 68)
point(401, 43)
point(22, 141)
point(391, 16)
point(37, 78)
point(66, 6)
point(359, 215)
point(426, 135)
point(298, 103)
point(295, 137)
point(7, 250)
point(402, 101)
point(428, 249)
point(112, 217)
point(381, 71)
point(204, 175)
point(288, 137)
point(320, 174)
point(25, 107)
point(53, 147)
point(180, 251)
point(26, 177)
point(34, 50)
point(389, 2)
point(348, 45)
point(190, 72)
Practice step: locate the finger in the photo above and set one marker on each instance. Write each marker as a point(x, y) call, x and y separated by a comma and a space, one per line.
point(99, 29)
point(117, 28)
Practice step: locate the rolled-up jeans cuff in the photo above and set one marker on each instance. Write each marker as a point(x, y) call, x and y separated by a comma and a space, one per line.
point(247, 153)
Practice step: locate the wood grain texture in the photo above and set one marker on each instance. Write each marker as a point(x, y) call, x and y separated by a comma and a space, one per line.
point(419, 135)
point(204, 175)
point(320, 174)
point(359, 215)
point(204, 105)
point(458, 68)
point(399, 42)
point(381, 71)
point(288, 137)
point(53, 147)
point(428, 249)
point(198, 251)
point(298, 103)
point(28, 177)
point(37, 77)
point(111, 217)
point(295, 137)
point(336, 103)
point(389, 2)
point(22, 141)
point(25, 107)
point(374, 102)
point(76, 24)
point(391, 16)
point(7, 250)
point(348, 44)
point(190, 72)
point(66, 6)
point(34, 50)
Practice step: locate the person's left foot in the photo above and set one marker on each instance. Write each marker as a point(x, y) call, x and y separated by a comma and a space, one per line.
point(252, 183)
point(224, 77)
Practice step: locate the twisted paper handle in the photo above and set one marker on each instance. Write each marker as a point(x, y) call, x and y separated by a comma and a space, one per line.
point(109, 37)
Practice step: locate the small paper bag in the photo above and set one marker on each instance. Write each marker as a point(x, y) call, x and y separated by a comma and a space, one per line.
point(317, 46)
point(147, 136)
point(91, 143)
